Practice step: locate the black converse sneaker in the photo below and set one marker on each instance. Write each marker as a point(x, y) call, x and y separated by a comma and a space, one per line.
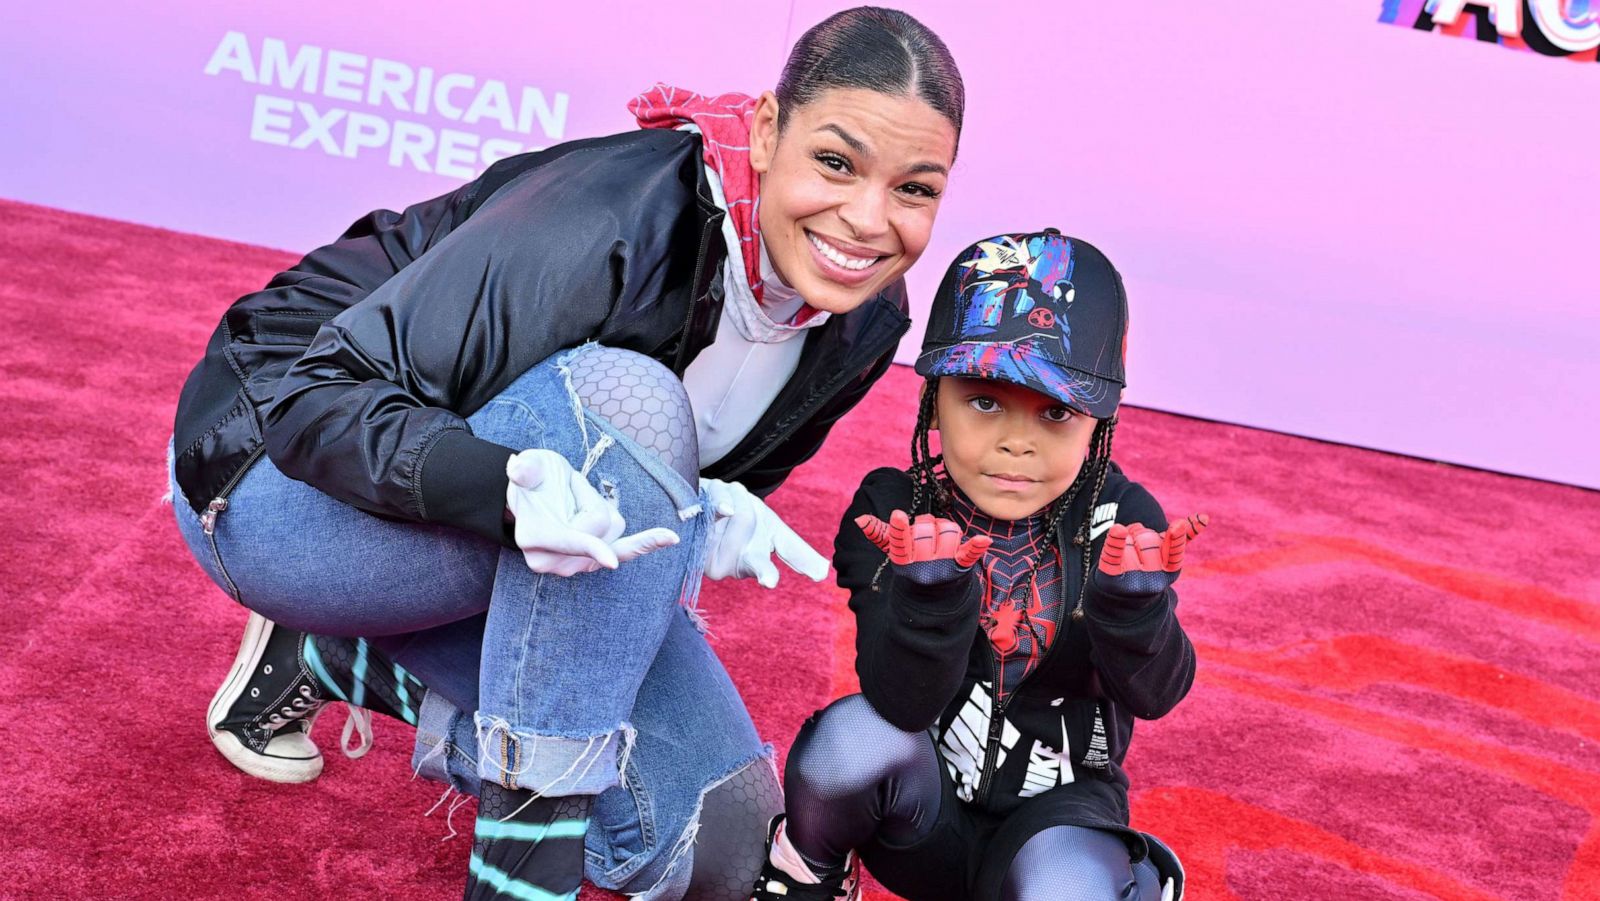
point(786, 876)
point(260, 719)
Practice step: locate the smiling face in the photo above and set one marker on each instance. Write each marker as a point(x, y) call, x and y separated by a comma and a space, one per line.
point(849, 190)
point(1011, 450)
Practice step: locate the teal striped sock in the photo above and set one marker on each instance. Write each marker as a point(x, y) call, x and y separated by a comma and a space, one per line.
point(353, 671)
point(527, 848)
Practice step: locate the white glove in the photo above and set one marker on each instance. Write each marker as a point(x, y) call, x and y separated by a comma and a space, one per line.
point(745, 533)
point(563, 526)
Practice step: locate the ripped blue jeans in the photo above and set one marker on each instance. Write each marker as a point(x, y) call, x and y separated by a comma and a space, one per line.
point(592, 684)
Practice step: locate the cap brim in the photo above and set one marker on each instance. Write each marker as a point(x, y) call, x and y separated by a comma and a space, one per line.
point(1099, 397)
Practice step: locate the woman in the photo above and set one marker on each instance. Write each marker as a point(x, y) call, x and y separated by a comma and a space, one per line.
point(739, 263)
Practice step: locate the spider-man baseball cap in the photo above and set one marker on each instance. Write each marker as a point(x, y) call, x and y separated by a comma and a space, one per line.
point(1042, 310)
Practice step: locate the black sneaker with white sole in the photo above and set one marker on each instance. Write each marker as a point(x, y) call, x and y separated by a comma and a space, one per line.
point(261, 717)
point(787, 876)
point(1168, 867)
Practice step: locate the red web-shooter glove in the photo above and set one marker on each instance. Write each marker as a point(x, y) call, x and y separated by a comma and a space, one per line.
point(1141, 561)
point(929, 551)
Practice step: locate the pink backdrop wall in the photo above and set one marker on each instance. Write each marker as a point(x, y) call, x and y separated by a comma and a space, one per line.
point(1328, 225)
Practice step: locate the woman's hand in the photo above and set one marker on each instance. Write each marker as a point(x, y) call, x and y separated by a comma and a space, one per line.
point(745, 533)
point(929, 550)
point(563, 526)
point(1139, 561)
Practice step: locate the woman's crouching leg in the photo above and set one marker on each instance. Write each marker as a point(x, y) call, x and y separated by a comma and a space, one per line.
point(690, 818)
point(563, 657)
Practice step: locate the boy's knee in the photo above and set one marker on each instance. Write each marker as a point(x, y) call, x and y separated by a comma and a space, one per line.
point(1080, 890)
point(1070, 863)
point(854, 714)
point(833, 744)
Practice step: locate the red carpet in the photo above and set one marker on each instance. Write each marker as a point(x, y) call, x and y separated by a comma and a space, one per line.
point(1399, 692)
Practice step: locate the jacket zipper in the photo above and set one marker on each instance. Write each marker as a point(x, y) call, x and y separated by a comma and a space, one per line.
point(219, 504)
point(991, 750)
point(706, 238)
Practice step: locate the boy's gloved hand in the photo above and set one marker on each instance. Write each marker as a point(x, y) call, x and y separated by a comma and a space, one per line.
point(563, 526)
point(745, 533)
point(1139, 561)
point(928, 551)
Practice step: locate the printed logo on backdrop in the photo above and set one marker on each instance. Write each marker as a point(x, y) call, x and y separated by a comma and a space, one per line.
point(1566, 28)
point(350, 105)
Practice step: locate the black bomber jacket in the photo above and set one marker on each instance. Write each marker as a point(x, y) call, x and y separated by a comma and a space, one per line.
point(1056, 743)
point(354, 369)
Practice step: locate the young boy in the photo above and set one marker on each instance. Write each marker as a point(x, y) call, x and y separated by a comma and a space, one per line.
point(1015, 615)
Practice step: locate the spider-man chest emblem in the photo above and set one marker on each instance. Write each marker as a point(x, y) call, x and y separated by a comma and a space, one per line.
point(1007, 620)
point(1041, 318)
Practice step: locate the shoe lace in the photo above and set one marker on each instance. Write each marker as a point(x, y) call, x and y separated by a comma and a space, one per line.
point(304, 702)
point(356, 720)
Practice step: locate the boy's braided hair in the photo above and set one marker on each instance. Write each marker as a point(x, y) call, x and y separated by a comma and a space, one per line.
point(928, 484)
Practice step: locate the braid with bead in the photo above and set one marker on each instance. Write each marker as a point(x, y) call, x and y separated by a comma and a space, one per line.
point(1099, 462)
point(926, 481)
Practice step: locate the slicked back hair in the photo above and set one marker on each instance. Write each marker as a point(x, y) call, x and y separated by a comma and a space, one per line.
point(875, 49)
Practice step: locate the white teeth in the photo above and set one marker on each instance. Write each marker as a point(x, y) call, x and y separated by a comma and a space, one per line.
point(832, 253)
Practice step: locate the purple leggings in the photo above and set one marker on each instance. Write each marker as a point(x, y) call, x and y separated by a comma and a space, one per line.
point(853, 779)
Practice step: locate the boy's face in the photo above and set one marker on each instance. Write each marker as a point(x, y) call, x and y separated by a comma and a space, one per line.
point(1010, 449)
